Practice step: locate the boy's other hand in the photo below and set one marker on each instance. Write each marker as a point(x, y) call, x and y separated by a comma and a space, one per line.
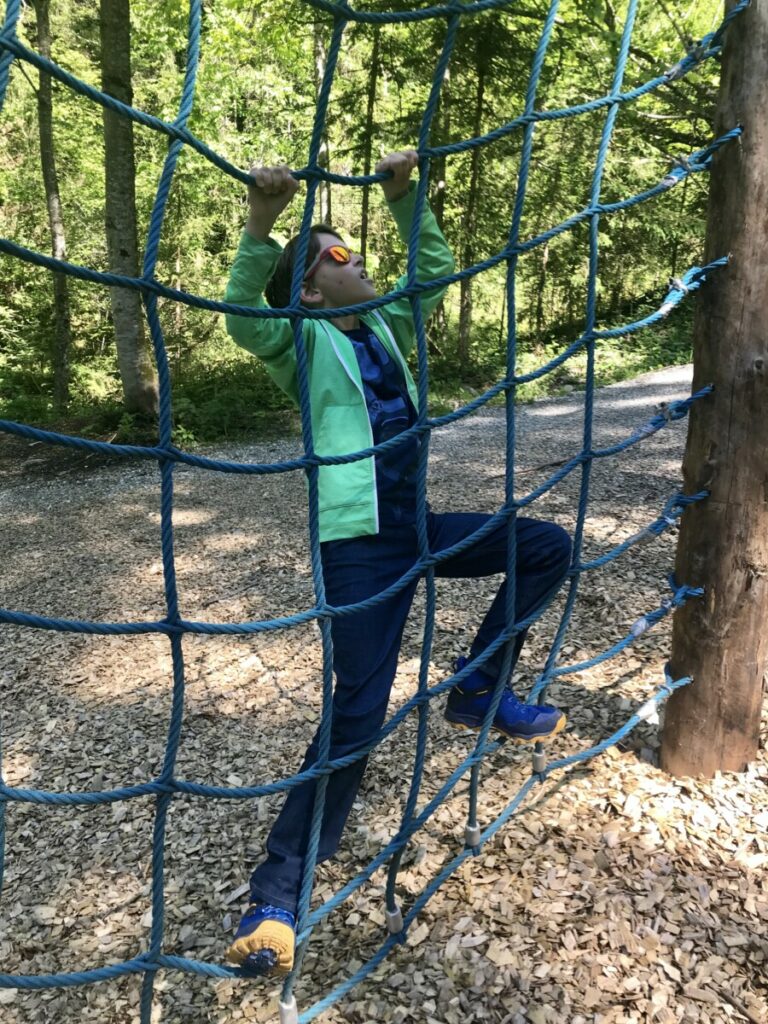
point(401, 164)
point(272, 190)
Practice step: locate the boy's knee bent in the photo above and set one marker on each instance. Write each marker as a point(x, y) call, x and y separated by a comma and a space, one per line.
point(561, 547)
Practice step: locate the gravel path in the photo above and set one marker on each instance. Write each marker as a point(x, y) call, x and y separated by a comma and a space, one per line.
point(618, 895)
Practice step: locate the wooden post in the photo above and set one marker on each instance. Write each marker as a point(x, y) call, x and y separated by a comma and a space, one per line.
point(722, 639)
point(62, 329)
point(134, 353)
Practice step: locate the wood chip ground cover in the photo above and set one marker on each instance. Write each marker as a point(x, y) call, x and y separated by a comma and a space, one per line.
point(616, 895)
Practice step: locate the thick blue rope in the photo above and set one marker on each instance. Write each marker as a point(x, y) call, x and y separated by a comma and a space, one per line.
point(167, 786)
point(691, 280)
point(8, 793)
point(312, 473)
point(591, 315)
point(423, 458)
point(694, 164)
point(166, 514)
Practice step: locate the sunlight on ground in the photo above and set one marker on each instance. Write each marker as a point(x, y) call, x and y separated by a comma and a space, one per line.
point(16, 767)
point(184, 517)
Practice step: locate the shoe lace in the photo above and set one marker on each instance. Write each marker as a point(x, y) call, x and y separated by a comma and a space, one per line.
point(511, 704)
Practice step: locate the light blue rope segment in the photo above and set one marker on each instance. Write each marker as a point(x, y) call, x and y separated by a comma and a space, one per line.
point(214, 970)
point(312, 472)
point(167, 786)
point(694, 164)
point(9, 793)
point(423, 457)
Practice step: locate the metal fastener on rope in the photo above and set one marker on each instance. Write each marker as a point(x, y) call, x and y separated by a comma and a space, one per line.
point(394, 920)
point(539, 761)
point(639, 626)
point(649, 712)
point(472, 836)
point(647, 429)
point(675, 71)
point(679, 285)
point(682, 162)
point(289, 1013)
point(644, 536)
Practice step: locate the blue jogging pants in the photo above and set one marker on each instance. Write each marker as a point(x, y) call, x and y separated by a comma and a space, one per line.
point(366, 646)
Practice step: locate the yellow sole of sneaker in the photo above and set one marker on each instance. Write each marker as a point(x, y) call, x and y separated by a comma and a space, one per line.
point(269, 935)
point(521, 740)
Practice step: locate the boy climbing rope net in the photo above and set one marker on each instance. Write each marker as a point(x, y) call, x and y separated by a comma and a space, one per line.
point(362, 394)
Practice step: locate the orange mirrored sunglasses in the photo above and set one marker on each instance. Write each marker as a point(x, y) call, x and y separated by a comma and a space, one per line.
point(337, 253)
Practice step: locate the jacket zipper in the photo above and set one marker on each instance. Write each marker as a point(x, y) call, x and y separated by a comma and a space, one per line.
point(367, 418)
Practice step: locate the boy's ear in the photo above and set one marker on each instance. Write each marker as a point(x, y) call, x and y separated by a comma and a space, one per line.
point(310, 295)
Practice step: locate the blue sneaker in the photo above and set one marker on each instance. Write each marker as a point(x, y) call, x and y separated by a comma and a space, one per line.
point(265, 941)
point(524, 723)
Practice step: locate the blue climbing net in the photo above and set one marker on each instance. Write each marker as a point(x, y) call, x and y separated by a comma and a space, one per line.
point(167, 786)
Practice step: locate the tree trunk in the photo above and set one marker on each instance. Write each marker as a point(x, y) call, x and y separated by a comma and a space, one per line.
point(325, 212)
point(438, 322)
point(62, 338)
point(133, 352)
point(540, 288)
point(721, 639)
point(370, 107)
point(440, 165)
point(470, 224)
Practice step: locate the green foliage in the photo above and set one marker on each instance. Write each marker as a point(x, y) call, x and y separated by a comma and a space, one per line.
point(667, 344)
point(256, 100)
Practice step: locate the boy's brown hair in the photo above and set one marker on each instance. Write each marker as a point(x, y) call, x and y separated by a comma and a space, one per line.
point(278, 290)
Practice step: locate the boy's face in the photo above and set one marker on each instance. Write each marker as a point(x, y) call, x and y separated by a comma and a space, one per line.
point(335, 284)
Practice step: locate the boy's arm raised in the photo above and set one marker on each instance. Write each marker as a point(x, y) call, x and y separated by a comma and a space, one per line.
point(272, 190)
point(401, 165)
point(434, 258)
point(257, 254)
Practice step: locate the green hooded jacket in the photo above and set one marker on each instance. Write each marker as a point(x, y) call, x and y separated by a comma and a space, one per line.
point(340, 422)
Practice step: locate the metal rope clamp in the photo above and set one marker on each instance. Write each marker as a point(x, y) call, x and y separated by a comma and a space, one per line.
point(639, 626)
point(472, 836)
point(394, 920)
point(679, 285)
point(289, 1013)
point(667, 410)
point(649, 712)
point(676, 71)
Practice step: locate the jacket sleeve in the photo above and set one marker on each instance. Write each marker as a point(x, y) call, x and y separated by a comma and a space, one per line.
point(434, 259)
point(270, 340)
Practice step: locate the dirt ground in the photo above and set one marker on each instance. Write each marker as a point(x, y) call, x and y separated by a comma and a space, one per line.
point(616, 895)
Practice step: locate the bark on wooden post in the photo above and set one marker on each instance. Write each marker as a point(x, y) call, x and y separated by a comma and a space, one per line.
point(134, 355)
point(370, 108)
point(62, 336)
point(722, 639)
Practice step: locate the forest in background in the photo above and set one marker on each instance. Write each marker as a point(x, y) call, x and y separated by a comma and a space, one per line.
point(261, 65)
